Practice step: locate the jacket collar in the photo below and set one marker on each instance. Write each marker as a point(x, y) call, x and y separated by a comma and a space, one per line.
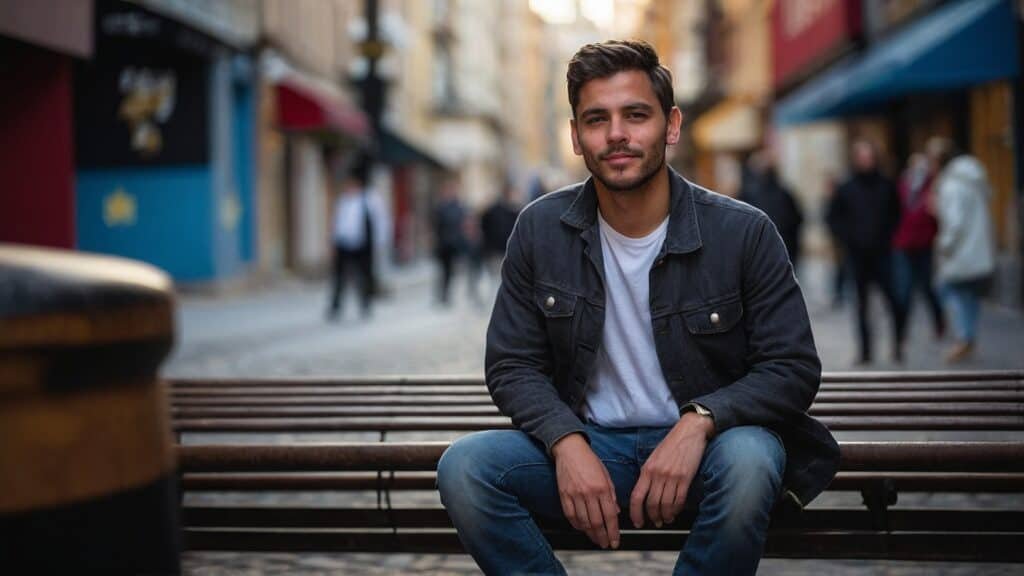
point(683, 234)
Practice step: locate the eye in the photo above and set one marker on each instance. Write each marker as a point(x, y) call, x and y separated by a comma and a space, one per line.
point(637, 116)
point(593, 120)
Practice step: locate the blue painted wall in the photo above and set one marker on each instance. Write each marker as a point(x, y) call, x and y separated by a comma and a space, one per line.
point(173, 217)
point(245, 167)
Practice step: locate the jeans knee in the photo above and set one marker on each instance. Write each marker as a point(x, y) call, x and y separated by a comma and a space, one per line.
point(463, 466)
point(749, 460)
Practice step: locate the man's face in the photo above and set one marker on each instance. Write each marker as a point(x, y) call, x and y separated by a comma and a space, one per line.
point(864, 157)
point(621, 131)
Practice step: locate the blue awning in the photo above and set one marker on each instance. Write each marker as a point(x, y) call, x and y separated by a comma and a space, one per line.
point(963, 43)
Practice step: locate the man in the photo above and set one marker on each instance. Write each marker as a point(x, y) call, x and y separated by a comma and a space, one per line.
point(353, 241)
point(864, 213)
point(449, 240)
point(766, 192)
point(651, 346)
point(496, 224)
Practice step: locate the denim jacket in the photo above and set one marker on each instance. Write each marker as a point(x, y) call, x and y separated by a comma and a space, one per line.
point(730, 325)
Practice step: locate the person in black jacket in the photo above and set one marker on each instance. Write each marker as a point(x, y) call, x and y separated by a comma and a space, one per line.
point(765, 191)
point(496, 223)
point(651, 347)
point(863, 215)
point(449, 239)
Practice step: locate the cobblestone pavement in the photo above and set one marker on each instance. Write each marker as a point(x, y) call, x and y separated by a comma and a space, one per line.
point(282, 331)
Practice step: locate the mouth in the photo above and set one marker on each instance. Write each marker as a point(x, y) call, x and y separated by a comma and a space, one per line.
point(618, 157)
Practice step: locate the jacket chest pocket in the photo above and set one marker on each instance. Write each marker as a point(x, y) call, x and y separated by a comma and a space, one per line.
point(717, 332)
point(559, 309)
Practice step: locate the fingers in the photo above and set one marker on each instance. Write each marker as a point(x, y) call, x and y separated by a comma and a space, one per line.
point(666, 505)
point(654, 500)
point(682, 489)
point(583, 513)
point(611, 520)
point(597, 522)
point(569, 509)
point(636, 499)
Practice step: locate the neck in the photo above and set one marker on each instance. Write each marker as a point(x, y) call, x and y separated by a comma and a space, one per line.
point(635, 213)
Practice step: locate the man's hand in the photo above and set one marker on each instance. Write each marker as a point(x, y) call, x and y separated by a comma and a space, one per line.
point(665, 477)
point(586, 491)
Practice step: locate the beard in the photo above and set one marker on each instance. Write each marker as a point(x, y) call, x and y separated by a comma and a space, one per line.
point(614, 180)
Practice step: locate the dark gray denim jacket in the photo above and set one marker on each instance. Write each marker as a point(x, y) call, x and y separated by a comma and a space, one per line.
point(730, 324)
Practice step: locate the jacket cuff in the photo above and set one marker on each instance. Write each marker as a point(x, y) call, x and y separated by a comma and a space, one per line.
point(720, 407)
point(555, 431)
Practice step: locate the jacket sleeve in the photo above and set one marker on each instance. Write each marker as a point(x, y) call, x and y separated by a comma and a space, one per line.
point(835, 216)
point(952, 207)
point(895, 209)
point(785, 371)
point(518, 359)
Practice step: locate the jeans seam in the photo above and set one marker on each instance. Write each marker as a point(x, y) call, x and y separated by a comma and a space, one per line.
point(533, 529)
point(501, 477)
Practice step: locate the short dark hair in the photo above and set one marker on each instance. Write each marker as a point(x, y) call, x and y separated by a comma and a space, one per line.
point(604, 59)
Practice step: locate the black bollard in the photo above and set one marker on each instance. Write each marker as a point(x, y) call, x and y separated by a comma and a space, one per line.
point(87, 470)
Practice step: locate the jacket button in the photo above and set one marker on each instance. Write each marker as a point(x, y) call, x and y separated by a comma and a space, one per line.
point(715, 319)
point(550, 302)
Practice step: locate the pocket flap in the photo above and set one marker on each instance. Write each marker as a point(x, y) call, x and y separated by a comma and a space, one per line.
point(714, 318)
point(553, 302)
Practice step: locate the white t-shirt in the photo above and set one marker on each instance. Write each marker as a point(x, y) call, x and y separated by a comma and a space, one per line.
point(350, 209)
point(627, 387)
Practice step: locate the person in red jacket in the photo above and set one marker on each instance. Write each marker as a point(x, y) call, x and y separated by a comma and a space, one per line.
point(913, 240)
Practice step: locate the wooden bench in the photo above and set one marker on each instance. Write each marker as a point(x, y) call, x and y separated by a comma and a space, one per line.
point(878, 470)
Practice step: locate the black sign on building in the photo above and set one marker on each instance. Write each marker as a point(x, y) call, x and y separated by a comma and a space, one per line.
point(143, 99)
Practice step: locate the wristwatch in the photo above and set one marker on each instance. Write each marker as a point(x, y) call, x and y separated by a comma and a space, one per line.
point(701, 411)
point(694, 407)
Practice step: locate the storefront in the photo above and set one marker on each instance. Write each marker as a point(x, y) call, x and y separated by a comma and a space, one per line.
point(308, 129)
point(38, 52)
point(165, 163)
point(807, 39)
point(934, 69)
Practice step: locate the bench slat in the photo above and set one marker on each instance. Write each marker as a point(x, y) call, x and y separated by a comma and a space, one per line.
point(924, 546)
point(471, 423)
point(283, 398)
point(879, 377)
point(898, 408)
point(402, 481)
point(898, 519)
point(856, 456)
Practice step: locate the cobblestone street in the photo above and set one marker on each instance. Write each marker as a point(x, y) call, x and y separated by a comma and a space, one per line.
point(282, 331)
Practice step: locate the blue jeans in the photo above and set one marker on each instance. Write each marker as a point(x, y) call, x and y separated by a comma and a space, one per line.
point(913, 269)
point(493, 483)
point(964, 300)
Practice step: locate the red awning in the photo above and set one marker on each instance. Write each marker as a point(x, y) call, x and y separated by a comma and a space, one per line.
point(303, 106)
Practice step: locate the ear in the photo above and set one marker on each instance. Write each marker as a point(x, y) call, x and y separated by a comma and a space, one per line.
point(675, 121)
point(576, 148)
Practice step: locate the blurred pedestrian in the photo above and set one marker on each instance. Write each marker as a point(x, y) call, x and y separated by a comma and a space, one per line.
point(964, 248)
point(449, 240)
point(912, 243)
point(765, 191)
point(865, 213)
point(496, 223)
point(474, 253)
point(353, 241)
point(840, 270)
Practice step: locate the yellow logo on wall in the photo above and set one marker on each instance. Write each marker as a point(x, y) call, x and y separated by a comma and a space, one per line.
point(119, 209)
point(149, 98)
point(230, 211)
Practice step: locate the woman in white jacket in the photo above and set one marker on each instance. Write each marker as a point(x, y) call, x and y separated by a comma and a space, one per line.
point(964, 246)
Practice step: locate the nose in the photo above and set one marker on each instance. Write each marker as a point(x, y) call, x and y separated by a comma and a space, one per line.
point(617, 130)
